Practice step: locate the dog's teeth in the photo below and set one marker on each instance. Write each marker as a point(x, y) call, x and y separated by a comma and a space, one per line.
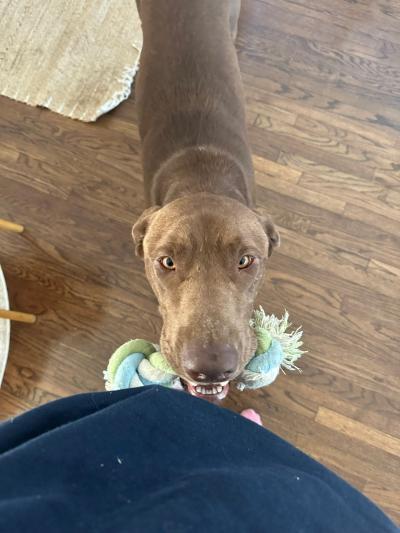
point(209, 389)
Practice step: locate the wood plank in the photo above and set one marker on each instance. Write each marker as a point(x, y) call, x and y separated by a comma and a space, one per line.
point(386, 222)
point(371, 16)
point(357, 430)
point(306, 24)
point(303, 95)
point(311, 147)
point(332, 244)
point(10, 405)
point(331, 111)
point(329, 138)
point(349, 235)
point(323, 388)
point(276, 177)
point(272, 169)
point(369, 194)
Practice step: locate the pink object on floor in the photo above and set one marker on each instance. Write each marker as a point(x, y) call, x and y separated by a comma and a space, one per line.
point(250, 414)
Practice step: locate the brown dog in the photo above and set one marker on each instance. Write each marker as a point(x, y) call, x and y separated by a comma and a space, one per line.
point(204, 245)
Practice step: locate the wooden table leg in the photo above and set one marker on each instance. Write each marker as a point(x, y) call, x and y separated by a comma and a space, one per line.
point(11, 226)
point(17, 316)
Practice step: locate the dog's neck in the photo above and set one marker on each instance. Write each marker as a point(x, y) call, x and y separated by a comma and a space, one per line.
point(201, 169)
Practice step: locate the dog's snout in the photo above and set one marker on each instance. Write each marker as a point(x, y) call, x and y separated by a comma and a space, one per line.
point(213, 363)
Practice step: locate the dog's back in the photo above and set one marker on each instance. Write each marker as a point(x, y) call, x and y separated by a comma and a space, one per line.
point(189, 91)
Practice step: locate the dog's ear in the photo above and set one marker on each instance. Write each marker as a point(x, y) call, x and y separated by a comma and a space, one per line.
point(141, 226)
point(274, 239)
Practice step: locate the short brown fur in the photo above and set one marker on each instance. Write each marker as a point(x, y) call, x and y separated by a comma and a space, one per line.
point(199, 182)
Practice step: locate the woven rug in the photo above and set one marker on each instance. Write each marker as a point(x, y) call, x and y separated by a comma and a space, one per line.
point(4, 326)
point(75, 57)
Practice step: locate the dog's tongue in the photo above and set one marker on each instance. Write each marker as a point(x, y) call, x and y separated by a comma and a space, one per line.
point(209, 395)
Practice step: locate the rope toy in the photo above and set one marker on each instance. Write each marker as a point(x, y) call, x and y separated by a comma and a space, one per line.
point(139, 362)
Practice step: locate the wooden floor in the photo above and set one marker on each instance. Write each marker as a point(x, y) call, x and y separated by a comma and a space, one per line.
point(322, 80)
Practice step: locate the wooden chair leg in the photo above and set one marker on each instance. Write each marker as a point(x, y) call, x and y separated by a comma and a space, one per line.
point(11, 226)
point(17, 316)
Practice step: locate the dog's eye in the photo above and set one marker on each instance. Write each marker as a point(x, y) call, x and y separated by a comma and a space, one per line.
point(167, 263)
point(246, 261)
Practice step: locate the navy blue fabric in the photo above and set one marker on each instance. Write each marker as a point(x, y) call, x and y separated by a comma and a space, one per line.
point(154, 459)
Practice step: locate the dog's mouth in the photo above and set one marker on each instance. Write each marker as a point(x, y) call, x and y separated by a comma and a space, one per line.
point(207, 391)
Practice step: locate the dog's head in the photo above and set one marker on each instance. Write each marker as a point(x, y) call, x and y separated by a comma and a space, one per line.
point(205, 257)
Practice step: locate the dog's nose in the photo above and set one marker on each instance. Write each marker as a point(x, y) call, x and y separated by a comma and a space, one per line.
point(213, 363)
